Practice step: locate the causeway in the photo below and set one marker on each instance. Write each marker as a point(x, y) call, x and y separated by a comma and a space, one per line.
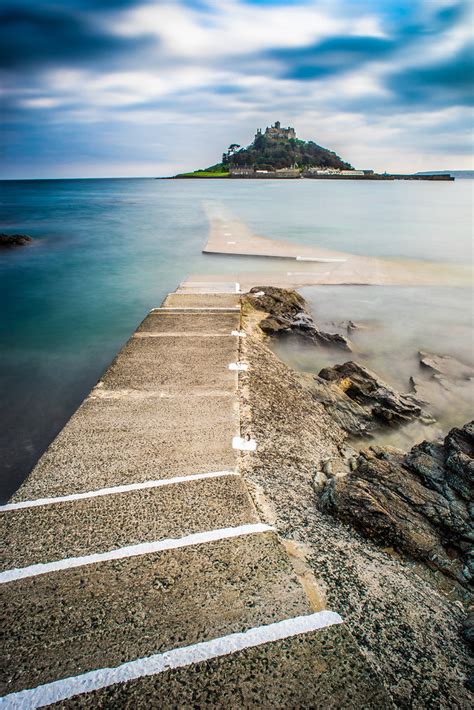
point(137, 572)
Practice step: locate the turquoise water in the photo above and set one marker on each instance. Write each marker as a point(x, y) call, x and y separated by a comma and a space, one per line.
point(106, 251)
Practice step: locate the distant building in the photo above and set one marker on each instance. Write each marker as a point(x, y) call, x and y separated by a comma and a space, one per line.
point(240, 171)
point(276, 131)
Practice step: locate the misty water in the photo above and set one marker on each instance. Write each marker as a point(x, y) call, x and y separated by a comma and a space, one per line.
point(106, 251)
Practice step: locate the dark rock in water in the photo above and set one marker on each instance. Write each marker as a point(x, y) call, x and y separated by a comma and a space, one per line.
point(8, 241)
point(419, 503)
point(364, 400)
point(287, 314)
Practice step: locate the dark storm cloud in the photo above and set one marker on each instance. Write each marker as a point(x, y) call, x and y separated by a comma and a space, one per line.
point(51, 34)
point(450, 81)
point(332, 56)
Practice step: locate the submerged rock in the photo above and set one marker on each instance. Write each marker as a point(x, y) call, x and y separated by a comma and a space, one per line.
point(445, 366)
point(287, 314)
point(361, 402)
point(417, 503)
point(8, 241)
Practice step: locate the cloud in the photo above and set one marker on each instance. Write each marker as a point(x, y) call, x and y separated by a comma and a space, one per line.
point(172, 82)
point(32, 35)
point(440, 83)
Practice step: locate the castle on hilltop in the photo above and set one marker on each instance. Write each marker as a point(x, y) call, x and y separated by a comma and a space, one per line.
point(276, 131)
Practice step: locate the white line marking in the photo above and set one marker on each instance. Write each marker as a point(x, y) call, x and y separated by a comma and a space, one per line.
point(144, 548)
point(158, 483)
point(239, 333)
point(241, 366)
point(244, 444)
point(209, 309)
point(323, 260)
point(307, 273)
point(59, 690)
point(231, 242)
point(228, 234)
point(178, 334)
point(237, 287)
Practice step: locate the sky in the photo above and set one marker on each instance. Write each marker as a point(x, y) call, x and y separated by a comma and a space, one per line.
point(151, 87)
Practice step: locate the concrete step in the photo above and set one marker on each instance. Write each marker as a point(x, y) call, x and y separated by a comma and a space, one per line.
point(99, 615)
point(193, 300)
point(198, 322)
point(208, 287)
point(120, 437)
point(113, 520)
point(320, 669)
point(175, 365)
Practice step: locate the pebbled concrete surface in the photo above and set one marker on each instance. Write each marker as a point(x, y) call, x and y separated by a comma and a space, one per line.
point(323, 669)
point(174, 365)
point(75, 528)
point(198, 322)
point(190, 300)
point(123, 437)
point(68, 622)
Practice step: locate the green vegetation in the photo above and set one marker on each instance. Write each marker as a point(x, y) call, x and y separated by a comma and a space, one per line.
point(278, 148)
point(214, 171)
point(268, 152)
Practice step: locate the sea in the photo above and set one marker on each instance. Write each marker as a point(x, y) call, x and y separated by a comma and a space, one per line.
point(105, 251)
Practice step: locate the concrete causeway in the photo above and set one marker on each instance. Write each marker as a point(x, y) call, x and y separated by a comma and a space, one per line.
point(137, 572)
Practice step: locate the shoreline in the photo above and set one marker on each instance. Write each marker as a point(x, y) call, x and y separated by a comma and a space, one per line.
point(388, 600)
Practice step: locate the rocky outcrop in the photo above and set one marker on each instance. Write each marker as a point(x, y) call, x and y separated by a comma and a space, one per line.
point(418, 503)
point(443, 380)
point(7, 241)
point(361, 402)
point(287, 313)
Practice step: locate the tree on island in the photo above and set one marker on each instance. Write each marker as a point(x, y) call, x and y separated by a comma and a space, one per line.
point(230, 152)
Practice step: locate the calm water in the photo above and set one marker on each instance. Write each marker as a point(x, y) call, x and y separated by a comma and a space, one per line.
point(106, 251)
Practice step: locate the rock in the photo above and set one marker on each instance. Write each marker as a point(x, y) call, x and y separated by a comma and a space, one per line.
point(445, 367)
point(287, 313)
point(417, 503)
point(7, 241)
point(468, 629)
point(364, 401)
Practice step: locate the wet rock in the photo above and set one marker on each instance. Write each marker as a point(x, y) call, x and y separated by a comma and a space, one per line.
point(417, 503)
point(362, 402)
point(287, 314)
point(8, 241)
point(445, 366)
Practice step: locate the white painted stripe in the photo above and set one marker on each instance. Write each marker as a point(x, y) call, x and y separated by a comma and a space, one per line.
point(237, 287)
point(239, 333)
point(241, 366)
point(114, 490)
point(322, 260)
point(209, 309)
point(60, 690)
point(242, 444)
point(144, 548)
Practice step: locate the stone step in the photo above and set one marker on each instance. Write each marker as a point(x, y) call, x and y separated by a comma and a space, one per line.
point(194, 300)
point(99, 615)
point(198, 322)
point(113, 520)
point(319, 669)
point(208, 287)
point(174, 364)
point(121, 437)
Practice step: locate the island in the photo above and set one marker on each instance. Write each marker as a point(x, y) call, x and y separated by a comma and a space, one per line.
point(278, 153)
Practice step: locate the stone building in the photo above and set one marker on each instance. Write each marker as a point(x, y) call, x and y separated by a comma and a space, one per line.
point(276, 131)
